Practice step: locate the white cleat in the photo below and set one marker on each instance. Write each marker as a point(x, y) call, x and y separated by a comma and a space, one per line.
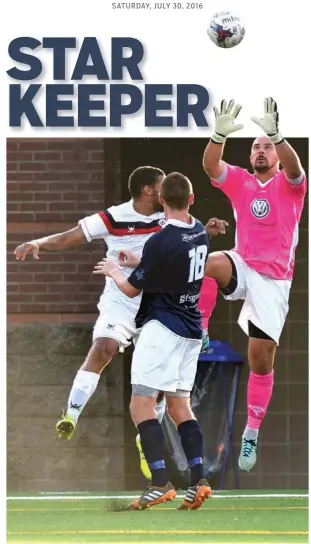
point(248, 455)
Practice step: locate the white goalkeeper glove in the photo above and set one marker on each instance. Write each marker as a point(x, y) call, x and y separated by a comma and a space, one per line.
point(270, 121)
point(225, 121)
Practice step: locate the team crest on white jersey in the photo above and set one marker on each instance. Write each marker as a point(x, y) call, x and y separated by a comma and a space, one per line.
point(162, 222)
point(131, 228)
point(260, 208)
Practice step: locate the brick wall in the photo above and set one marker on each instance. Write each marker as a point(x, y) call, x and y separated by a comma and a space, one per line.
point(51, 184)
point(51, 308)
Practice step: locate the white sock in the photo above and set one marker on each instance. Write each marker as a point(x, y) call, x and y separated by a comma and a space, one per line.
point(160, 409)
point(250, 434)
point(82, 389)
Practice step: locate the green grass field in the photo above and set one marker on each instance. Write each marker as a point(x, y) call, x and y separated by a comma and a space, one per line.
point(226, 517)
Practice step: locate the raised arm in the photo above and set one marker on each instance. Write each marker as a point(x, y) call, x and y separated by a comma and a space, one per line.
point(290, 161)
point(55, 242)
point(224, 125)
point(212, 159)
point(269, 123)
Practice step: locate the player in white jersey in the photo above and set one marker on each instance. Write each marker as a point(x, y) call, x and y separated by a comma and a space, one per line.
point(267, 207)
point(129, 226)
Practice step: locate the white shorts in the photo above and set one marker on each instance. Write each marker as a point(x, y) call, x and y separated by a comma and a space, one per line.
point(266, 299)
point(116, 318)
point(163, 360)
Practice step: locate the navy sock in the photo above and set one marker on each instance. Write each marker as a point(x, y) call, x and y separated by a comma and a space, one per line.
point(152, 442)
point(192, 443)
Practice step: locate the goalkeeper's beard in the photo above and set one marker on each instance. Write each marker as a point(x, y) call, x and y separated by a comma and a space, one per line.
point(262, 168)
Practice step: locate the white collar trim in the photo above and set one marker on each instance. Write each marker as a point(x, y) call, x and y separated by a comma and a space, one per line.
point(181, 224)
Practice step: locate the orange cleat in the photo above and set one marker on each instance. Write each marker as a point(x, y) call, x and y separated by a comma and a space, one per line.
point(152, 496)
point(196, 495)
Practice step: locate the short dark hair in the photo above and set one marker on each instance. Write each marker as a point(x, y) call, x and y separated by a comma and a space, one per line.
point(142, 176)
point(176, 190)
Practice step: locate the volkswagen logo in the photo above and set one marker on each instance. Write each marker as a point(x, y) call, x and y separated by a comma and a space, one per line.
point(260, 208)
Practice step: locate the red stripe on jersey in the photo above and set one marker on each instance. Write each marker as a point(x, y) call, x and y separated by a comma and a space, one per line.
point(120, 231)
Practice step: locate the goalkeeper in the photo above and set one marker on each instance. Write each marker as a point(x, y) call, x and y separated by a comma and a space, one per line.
point(267, 206)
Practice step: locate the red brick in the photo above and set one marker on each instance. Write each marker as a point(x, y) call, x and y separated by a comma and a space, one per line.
point(12, 287)
point(19, 156)
point(12, 308)
point(77, 196)
point(47, 297)
point(18, 217)
point(16, 277)
point(12, 207)
point(62, 144)
point(58, 287)
point(76, 297)
point(11, 166)
point(47, 156)
point(12, 144)
point(20, 298)
point(33, 145)
point(75, 155)
point(91, 185)
point(48, 278)
point(60, 268)
point(61, 308)
point(33, 206)
point(81, 257)
point(28, 267)
point(63, 166)
point(50, 197)
point(11, 187)
point(19, 176)
point(75, 176)
point(11, 268)
point(55, 217)
point(18, 196)
point(47, 176)
point(30, 187)
point(33, 288)
point(74, 279)
point(62, 206)
point(32, 166)
point(31, 308)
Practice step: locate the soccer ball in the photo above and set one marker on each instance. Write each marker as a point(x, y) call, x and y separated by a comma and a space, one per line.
point(225, 29)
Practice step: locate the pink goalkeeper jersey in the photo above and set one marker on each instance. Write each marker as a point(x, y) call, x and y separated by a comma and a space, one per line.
point(267, 218)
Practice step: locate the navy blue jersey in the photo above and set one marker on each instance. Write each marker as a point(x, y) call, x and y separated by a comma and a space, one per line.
point(170, 274)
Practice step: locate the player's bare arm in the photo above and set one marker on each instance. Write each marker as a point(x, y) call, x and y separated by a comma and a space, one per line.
point(269, 123)
point(224, 125)
point(111, 269)
point(290, 160)
point(55, 242)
